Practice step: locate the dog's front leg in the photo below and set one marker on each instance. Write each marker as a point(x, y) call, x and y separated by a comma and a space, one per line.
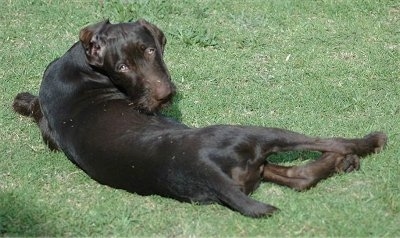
point(303, 177)
point(230, 195)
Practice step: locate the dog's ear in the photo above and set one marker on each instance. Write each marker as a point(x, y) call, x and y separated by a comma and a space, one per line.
point(93, 43)
point(156, 32)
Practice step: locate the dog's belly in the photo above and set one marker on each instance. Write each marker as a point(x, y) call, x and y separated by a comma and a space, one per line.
point(137, 154)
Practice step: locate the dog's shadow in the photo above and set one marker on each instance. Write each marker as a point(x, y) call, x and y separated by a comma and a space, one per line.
point(173, 110)
point(289, 157)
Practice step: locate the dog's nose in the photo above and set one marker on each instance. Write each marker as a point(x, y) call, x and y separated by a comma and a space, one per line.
point(164, 91)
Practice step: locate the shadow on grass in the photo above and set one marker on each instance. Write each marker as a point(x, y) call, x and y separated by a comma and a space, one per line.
point(173, 110)
point(288, 157)
point(20, 215)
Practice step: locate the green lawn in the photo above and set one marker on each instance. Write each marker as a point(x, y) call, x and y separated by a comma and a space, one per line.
point(326, 68)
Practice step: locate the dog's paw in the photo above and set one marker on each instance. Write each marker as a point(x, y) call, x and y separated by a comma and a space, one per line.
point(377, 140)
point(347, 164)
point(258, 210)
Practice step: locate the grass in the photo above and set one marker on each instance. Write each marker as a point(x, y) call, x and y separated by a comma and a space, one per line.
point(327, 68)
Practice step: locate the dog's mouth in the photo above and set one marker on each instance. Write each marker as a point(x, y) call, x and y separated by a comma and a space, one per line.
point(148, 104)
point(147, 101)
point(166, 102)
point(157, 105)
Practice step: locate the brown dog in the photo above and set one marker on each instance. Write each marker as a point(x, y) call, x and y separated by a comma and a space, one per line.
point(98, 104)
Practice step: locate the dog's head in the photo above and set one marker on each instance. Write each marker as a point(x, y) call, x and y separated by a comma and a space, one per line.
point(131, 55)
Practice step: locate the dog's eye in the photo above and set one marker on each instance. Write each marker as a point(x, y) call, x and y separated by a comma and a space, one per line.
point(123, 68)
point(150, 51)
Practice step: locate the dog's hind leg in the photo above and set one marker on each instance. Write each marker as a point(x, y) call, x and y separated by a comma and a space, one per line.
point(276, 140)
point(303, 177)
point(28, 105)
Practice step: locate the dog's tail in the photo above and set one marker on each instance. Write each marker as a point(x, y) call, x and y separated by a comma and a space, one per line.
point(27, 104)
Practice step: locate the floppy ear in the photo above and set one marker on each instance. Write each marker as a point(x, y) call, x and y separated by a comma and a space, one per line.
point(156, 32)
point(93, 43)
